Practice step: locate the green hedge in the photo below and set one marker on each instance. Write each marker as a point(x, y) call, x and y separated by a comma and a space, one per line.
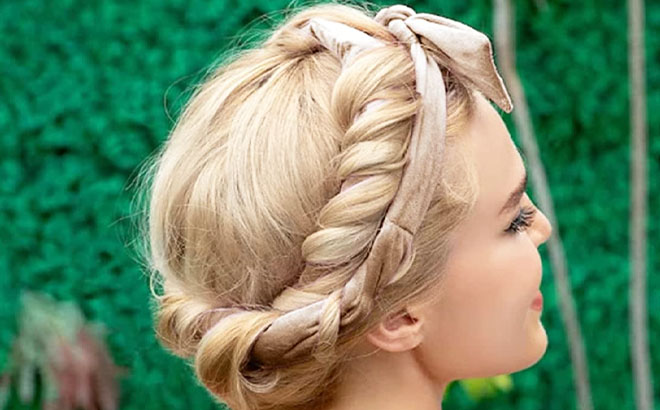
point(89, 90)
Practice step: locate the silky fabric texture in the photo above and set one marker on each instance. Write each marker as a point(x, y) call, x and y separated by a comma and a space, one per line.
point(467, 53)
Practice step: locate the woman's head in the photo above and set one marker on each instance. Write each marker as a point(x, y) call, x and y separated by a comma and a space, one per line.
point(247, 211)
point(483, 323)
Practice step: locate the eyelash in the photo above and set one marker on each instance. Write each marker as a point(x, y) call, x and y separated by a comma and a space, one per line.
point(522, 221)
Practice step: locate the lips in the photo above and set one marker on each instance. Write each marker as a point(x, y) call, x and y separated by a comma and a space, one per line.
point(537, 303)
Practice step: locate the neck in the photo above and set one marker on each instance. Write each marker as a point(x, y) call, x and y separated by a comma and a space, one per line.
point(387, 381)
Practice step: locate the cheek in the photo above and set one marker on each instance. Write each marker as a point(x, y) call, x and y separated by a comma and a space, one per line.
point(513, 276)
point(485, 308)
point(499, 279)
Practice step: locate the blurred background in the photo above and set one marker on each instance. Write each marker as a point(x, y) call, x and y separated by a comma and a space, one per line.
point(89, 89)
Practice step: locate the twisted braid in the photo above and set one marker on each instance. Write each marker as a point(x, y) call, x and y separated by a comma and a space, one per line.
point(300, 331)
point(315, 327)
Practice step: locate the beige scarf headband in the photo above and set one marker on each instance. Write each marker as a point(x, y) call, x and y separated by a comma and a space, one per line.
point(466, 53)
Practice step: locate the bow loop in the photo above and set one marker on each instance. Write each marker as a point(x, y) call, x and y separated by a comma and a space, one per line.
point(466, 52)
point(463, 50)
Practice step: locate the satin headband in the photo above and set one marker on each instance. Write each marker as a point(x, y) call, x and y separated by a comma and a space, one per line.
point(467, 54)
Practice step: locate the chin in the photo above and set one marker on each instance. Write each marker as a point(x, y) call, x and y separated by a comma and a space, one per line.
point(537, 347)
point(524, 360)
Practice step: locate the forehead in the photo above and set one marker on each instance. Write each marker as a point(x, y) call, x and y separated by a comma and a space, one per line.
point(496, 159)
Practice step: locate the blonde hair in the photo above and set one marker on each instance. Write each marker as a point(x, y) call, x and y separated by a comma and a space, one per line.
point(245, 208)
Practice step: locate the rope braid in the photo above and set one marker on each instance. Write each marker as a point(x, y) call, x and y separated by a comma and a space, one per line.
point(314, 328)
point(317, 325)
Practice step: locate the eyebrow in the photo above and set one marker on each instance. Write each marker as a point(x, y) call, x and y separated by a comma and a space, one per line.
point(515, 196)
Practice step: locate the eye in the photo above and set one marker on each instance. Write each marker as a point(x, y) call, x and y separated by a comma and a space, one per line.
point(522, 221)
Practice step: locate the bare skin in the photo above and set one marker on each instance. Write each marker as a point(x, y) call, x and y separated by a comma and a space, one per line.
point(483, 325)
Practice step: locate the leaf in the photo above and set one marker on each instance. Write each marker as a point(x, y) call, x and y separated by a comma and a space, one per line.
point(479, 389)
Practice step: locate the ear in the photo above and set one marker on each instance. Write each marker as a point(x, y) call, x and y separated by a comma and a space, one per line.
point(398, 332)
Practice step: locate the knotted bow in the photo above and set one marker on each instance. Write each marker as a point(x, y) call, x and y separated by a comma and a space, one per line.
point(466, 53)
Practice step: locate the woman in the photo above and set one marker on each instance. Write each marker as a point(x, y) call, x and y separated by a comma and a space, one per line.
point(339, 218)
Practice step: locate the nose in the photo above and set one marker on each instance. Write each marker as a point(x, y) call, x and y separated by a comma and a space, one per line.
point(542, 228)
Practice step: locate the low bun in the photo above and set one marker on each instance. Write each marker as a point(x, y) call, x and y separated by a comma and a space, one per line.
point(180, 322)
point(225, 365)
point(220, 343)
point(223, 359)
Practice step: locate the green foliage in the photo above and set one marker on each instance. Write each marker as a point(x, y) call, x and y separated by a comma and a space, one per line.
point(90, 89)
point(480, 389)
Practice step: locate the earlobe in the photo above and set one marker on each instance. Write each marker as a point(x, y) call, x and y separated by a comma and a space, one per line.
point(398, 332)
